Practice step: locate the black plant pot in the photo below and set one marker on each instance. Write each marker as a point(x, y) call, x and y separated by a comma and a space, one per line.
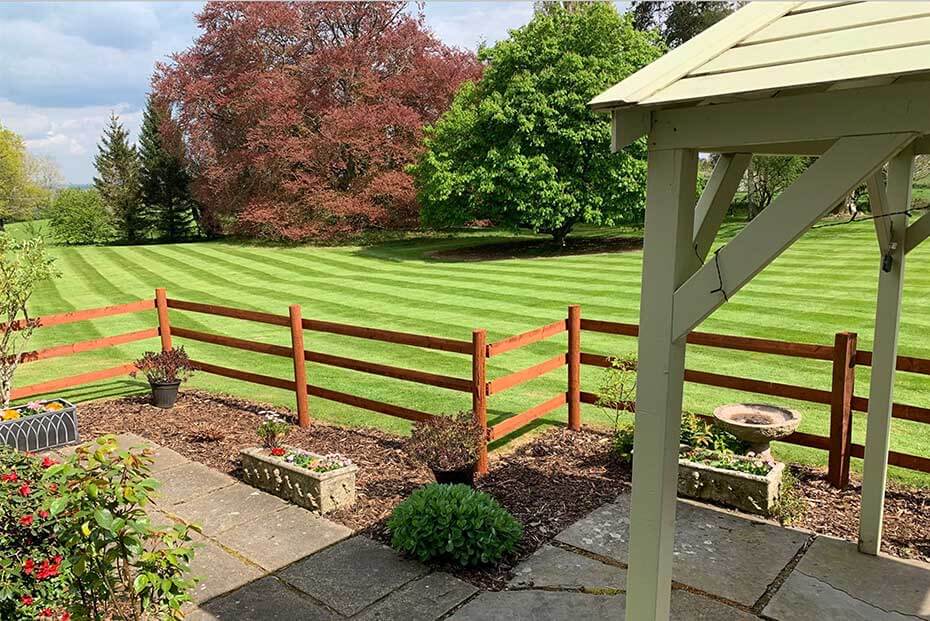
point(164, 394)
point(465, 476)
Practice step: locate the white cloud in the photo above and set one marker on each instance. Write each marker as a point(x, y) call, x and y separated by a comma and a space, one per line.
point(467, 24)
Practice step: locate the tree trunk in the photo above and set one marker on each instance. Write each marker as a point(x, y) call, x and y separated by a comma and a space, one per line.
point(560, 233)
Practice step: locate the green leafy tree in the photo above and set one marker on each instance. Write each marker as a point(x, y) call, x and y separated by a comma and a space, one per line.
point(768, 176)
point(165, 181)
point(679, 21)
point(117, 180)
point(521, 147)
point(19, 193)
point(78, 216)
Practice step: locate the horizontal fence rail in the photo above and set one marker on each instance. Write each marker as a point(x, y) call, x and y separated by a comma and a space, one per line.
point(840, 396)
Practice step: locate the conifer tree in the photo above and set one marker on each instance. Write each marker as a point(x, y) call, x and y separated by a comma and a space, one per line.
point(165, 180)
point(117, 180)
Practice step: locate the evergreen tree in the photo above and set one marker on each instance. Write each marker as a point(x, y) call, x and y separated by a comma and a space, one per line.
point(117, 180)
point(165, 180)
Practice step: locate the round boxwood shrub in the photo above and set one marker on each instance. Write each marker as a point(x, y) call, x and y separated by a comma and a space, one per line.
point(453, 523)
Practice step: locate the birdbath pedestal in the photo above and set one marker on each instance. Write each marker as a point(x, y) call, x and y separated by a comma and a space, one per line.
point(757, 424)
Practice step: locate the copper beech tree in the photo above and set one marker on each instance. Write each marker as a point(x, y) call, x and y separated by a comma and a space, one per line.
point(301, 117)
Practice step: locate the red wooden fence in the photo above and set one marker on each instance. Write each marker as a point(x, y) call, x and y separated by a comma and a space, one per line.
point(841, 397)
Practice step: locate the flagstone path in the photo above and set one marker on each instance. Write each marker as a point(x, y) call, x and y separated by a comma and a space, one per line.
point(263, 559)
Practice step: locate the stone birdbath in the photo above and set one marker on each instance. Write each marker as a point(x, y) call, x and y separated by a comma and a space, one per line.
point(757, 424)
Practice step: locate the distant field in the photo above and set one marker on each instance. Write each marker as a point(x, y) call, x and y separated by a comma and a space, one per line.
point(824, 284)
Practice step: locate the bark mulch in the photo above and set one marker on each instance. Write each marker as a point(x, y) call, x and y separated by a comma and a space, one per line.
point(536, 248)
point(547, 482)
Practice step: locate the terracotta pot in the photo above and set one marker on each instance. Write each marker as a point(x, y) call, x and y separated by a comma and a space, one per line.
point(465, 476)
point(164, 394)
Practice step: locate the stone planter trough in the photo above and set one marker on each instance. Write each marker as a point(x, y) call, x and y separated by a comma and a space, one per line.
point(751, 493)
point(317, 491)
point(38, 432)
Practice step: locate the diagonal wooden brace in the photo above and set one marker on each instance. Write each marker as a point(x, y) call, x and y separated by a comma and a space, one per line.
point(716, 199)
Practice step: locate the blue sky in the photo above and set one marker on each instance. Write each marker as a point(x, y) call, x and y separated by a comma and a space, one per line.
point(65, 66)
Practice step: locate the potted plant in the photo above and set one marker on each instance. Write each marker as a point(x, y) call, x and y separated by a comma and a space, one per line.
point(165, 371)
point(448, 445)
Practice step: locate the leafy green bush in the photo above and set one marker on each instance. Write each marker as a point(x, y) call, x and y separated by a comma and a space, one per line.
point(78, 216)
point(75, 539)
point(453, 523)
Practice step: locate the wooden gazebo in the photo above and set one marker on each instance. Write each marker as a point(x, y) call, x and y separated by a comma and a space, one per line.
point(846, 81)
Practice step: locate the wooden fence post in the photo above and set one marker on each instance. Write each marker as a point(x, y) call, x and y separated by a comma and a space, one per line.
point(844, 383)
point(479, 391)
point(300, 366)
point(164, 324)
point(574, 367)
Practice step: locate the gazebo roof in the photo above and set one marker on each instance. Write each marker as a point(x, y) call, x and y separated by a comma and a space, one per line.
point(768, 48)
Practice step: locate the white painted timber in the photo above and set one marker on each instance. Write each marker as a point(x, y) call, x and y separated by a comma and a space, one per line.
point(884, 358)
point(898, 61)
point(822, 186)
point(716, 198)
point(818, 5)
point(666, 264)
point(917, 233)
point(838, 18)
point(878, 199)
point(694, 53)
point(836, 45)
point(627, 126)
point(806, 118)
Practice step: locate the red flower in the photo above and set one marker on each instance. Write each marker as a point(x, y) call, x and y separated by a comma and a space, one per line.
point(8, 477)
point(43, 513)
point(26, 600)
point(26, 520)
point(66, 616)
point(48, 569)
point(48, 462)
point(53, 487)
point(47, 613)
point(29, 566)
point(278, 451)
point(25, 490)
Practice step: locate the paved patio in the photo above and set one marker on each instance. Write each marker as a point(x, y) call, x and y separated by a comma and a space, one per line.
point(263, 559)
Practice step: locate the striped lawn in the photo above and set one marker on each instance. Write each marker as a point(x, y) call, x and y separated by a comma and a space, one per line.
point(824, 284)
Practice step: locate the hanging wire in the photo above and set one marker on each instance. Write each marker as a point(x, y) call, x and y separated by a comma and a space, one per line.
point(719, 289)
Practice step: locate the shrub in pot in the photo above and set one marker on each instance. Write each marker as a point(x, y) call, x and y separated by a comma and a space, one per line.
point(448, 445)
point(453, 523)
point(165, 371)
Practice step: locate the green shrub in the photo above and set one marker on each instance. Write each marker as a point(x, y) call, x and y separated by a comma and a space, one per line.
point(75, 539)
point(453, 523)
point(78, 216)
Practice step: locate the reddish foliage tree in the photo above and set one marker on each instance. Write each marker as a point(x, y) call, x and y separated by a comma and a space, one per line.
point(301, 117)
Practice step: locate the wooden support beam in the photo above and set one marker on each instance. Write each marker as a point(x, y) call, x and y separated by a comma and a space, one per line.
point(841, 169)
point(878, 199)
point(716, 199)
point(884, 358)
point(626, 126)
point(917, 233)
point(667, 262)
point(897, 108)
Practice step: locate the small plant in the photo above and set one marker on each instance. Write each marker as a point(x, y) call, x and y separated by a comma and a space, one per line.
point(165, 367)
point(622, 442)
point(23, 265)
point(791, 505)
point(453, 523)
point(617, 393)
point(31, 409)
point(446, 443)
point(273, 430)
point(314, 463)
point(727, 460)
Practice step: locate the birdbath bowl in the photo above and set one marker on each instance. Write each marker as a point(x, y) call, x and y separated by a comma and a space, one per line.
point(757, 424)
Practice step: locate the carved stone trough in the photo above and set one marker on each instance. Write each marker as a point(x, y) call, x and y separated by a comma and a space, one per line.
point(316, 491)
point(752, 493)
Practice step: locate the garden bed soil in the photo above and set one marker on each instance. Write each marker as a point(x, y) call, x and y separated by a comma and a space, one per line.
point(547, 482)
point(536, 248)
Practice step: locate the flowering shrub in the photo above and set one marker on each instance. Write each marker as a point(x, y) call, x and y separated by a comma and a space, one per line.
point(30, 409)
point(75, 539)
point(446, 442)
point(453, 523)
point(34, 574)
point(273, 430)
point(165, 367)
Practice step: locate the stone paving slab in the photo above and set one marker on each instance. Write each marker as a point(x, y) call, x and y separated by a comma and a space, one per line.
point(219, 572)
point(352, 575)
point(227, 507)
point(282, 537)
point(264, 600)
point(165, 457)
point(530, 605)
point(733, 557)
point(428, 598)
point(834, 580)
point(554, 568)
point(188, 481)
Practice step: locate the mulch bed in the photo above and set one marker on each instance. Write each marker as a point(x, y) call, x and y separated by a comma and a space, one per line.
point(547, 482)
point(530, 248)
